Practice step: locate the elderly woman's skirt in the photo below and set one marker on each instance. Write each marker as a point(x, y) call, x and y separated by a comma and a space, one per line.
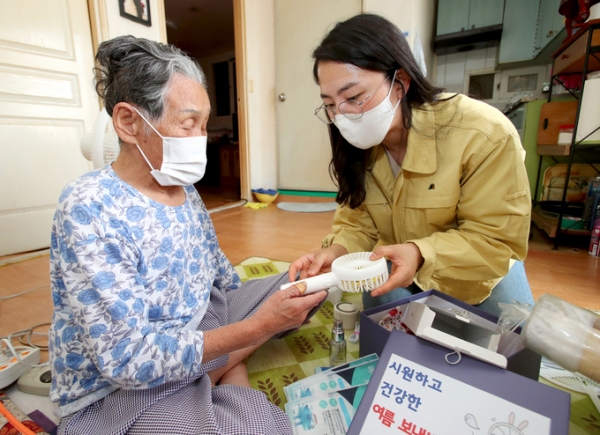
point(192, 406)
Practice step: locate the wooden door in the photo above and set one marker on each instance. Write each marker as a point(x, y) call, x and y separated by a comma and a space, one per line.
point(47, 101)
point(302, 140)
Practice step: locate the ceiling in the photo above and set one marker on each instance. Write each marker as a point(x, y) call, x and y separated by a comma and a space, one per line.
point(200, 27)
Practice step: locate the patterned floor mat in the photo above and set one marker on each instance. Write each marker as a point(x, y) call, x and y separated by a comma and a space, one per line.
point(278, 363)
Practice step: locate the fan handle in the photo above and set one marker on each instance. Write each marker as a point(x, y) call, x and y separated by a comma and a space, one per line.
point(315, 283)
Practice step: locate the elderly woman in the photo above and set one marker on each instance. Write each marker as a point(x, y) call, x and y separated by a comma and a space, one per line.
point(151, 323)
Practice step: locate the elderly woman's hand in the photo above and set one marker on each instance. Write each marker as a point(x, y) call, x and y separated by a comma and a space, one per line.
point(406, 260)
point(287, 309)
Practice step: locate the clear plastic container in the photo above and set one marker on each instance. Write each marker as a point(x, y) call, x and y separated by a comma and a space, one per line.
point(566, 334)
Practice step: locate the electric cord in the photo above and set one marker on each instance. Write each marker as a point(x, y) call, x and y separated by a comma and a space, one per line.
point(22, 293)
point(356, 334)
point(15, 354)
point(29, 332)
point(228, 206)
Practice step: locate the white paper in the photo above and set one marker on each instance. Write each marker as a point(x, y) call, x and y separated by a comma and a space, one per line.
point(456, 408)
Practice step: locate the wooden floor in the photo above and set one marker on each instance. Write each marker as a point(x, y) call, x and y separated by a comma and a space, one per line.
point(569, 272)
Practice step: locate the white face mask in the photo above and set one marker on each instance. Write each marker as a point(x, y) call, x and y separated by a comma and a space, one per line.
point(184, 159)
point(370, 129)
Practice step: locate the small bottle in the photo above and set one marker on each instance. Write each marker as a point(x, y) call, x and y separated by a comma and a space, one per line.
point(337, 344)
point(595, 238)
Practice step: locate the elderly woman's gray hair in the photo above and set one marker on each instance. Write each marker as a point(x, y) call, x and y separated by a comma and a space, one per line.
point(138, 71)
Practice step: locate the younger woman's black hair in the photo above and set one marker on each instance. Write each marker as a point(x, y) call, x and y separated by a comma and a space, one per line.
point(373, 43)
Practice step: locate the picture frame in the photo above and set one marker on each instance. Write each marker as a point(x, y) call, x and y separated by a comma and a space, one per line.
point(136, 10)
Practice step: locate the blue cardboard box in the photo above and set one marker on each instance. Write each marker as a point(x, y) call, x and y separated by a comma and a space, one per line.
point(414, 390)
point(373, 337)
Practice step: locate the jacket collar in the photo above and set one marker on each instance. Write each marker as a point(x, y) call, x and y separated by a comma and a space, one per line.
point(421, 149)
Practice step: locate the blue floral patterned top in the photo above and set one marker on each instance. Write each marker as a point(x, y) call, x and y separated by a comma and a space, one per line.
point(130, 280)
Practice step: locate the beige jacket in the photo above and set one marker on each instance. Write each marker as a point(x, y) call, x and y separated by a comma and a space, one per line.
point(462, 197)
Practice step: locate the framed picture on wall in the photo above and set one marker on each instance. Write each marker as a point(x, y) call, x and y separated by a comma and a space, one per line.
point(136, 10)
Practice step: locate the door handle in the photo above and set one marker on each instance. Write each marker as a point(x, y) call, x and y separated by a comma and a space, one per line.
point(282, 97)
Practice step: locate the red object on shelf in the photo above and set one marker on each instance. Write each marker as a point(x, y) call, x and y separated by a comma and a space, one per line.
point(575, 12)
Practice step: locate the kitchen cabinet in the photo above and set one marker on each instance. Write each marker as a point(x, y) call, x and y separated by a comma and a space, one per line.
point(452, 16)
point(549, 24)
point(518, 30)
point(464, 15)
point(528, 27)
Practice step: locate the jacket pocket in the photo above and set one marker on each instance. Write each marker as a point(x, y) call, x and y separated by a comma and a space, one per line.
point(513, 196)
point(428, 214)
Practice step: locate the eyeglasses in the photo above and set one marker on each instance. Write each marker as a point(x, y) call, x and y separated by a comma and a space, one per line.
point(351, 109)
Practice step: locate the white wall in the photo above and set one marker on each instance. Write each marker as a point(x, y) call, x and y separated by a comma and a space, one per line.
point(260, 52)
point(424, 21)
point(412, 17)
point(452, 72)
point(108, 22)
point(452, 68)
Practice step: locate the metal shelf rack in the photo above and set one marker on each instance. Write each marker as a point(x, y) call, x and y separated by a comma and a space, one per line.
point(579, 54)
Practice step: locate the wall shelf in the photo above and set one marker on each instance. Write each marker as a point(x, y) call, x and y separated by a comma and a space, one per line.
point(549, 225)
point(553, 150)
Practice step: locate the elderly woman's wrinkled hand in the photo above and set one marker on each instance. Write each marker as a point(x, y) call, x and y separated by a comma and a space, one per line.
point(287, 309)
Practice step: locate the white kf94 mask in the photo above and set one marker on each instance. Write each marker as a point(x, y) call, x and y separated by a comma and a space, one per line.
point(184, 159)
point(370, 129)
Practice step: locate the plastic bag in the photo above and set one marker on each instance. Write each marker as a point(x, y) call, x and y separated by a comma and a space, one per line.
point(562, 332)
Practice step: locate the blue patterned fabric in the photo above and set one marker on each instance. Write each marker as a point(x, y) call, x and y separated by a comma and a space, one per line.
point(131, 280)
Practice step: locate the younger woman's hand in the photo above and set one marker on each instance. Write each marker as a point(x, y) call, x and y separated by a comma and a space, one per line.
point(316, 262)
point(406, 260)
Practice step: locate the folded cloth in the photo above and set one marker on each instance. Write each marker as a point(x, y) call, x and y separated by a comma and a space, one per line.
point(393, 320)
point(13, 420)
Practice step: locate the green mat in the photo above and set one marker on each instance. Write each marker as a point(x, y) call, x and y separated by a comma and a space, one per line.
point(282, 362)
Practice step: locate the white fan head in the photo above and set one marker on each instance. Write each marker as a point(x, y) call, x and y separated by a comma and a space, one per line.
point(101, 146)
point(354, 273)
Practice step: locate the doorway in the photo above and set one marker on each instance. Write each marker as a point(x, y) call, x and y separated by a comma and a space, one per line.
point(204, 29)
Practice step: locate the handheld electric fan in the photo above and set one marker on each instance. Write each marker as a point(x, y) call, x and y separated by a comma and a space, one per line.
point(352, 273)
